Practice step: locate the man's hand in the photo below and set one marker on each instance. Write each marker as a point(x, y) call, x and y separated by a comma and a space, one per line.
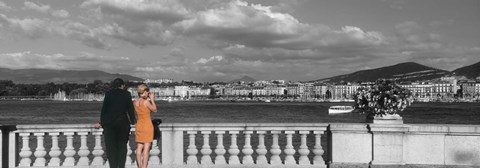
point(97, 125)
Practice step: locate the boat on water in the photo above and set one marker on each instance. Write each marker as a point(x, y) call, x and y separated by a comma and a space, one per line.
point(340, 109)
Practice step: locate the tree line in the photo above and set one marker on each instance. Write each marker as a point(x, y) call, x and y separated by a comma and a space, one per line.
point(9, 88)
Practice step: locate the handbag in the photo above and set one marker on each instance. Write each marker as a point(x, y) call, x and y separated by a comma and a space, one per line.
point(156, 130)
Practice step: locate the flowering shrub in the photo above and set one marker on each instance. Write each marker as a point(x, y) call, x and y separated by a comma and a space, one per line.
point(384, 97)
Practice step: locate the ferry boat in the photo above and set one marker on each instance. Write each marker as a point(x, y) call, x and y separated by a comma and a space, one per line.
point(340, 109)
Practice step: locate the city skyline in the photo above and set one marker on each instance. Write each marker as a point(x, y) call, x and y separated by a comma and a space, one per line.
point(211, 40)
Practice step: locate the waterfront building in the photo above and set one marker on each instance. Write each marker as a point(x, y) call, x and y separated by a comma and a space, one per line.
point(295, 89)
point(344, 91)
point(219, 90)
point(320, 90)
point(164, 92)
point(477, 90)
point(309, 91)
point(259, 91)
point(468, 89)
point(422, 91)
point(275, 90)
point(163, 80)
point(181, 91)
point(241, 90)
point(228, 91)
point(442, 90)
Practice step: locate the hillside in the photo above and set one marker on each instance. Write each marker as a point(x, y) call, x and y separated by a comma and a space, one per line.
point(408, 71)
point(59, 76)
point(471, 71)
point(244, 79)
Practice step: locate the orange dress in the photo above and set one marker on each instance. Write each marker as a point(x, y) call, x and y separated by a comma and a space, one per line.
point(144, 127)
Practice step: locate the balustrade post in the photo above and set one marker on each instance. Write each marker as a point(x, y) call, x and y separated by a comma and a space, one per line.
point(55, 150)
point(206, 151)
point(275, 150)
point(12, 150)
point(83, 150)
point(1, 149)
point(172, 145)
point(247, 148)
point(98, 150)
point(154, 160)
point(192, 148)
point(289, 151)
point(261, 149)
point(220, 150)
point(317, 150)
point(40, 150)
point(303, 151)
point(233, 151)
point(69, 151)
point(25, 152)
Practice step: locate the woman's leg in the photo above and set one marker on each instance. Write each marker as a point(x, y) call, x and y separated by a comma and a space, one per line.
point(146, 154)
point(138, 153)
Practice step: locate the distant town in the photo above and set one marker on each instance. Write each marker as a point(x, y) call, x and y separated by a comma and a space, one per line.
point(444, 89)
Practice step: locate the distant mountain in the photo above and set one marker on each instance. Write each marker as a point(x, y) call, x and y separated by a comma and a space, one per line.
point(471, 71)
point(59, 76)
point(245, 79)
point(408, 71)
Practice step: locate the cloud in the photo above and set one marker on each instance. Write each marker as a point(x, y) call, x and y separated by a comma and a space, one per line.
point(416, 43)
point(257, 26)
point(141, 23)
point(46, 9)
point(36, 7)
point(37, 28)
point(165, 11)
point(83, 61)
point(60, 13)
point(211, 59)
point(4, 6)
point(30, 27)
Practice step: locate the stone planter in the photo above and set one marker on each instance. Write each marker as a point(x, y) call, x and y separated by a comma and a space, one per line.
point(385, 119)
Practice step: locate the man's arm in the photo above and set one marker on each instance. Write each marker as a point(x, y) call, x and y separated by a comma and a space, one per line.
point(131, 110)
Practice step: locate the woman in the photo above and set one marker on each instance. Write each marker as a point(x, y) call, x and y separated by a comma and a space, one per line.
point(144, 129)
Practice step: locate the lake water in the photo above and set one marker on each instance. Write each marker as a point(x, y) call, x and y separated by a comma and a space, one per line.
point(52, 112)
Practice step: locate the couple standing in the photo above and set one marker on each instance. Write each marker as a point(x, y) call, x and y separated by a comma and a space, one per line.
point(118, 113)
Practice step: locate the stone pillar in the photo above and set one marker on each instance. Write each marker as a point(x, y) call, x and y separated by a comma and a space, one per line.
point(172, 146)
point(261, 149)
point(192, 149)
point(233, 151)
point(388, 144)
point(350, 144)
point(220, 149)
point(206, 150)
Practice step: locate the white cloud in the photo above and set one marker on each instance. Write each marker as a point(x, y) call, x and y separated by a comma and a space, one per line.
point(166, 11)
point(83, 61)
point(141, 23)
point(211, 59)
point(31, 27)
point(4, 6)
point(37, 7)
point(38, 28)
point(61, 13)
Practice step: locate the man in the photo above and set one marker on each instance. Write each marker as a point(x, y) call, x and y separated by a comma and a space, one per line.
point(117, 115)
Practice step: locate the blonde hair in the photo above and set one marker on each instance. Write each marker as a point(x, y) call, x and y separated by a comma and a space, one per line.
point(142, 88)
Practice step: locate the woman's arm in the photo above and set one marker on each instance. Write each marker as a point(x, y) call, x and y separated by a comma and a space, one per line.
point(151, 103)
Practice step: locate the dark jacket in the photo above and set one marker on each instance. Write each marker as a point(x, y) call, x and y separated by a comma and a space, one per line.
point(116, 104)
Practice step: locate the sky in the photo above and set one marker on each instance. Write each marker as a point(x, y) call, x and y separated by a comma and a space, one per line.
point(222, 40)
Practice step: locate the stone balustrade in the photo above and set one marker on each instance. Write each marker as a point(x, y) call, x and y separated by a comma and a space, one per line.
point(253, 145)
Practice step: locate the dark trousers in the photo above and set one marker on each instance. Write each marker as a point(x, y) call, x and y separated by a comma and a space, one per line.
point(116, 138)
